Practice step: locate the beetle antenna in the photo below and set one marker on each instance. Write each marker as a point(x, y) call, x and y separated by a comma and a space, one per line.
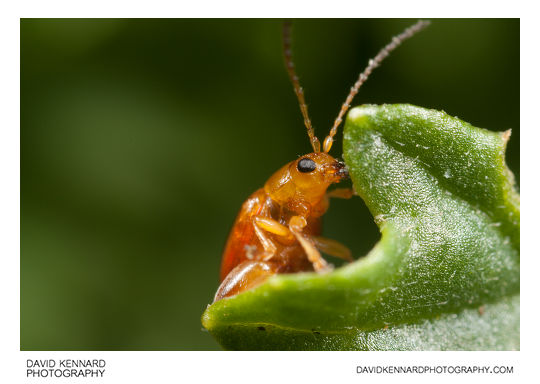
point(289, 64)
point(372, 64)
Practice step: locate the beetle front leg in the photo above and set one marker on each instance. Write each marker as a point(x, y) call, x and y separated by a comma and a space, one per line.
point(341, 193)
point(264, 224)
point(296, 225)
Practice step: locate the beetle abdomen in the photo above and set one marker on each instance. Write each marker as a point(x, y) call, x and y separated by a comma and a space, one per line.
point(242, 243)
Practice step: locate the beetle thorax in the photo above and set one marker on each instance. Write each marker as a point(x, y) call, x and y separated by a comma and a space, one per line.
point(301, 184)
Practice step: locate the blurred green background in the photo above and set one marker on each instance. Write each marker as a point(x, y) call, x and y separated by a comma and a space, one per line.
point(140, 139)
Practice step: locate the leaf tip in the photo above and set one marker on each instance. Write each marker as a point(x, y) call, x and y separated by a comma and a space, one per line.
point(209, 320)
point(206, 321)
point(360, 114)
point(506, 135)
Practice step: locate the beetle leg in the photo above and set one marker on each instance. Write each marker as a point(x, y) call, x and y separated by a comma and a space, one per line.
point(296, 225)
point(332, 247)
point(341, 193)
point(264, 224)
point(244, 276)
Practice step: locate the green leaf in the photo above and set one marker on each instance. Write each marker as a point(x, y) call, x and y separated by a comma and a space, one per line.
point(445, 274)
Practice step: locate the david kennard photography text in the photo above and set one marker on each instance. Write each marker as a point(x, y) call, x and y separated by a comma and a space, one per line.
point(65, 368)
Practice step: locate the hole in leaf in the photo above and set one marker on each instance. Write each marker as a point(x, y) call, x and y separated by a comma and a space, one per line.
point(350, 223)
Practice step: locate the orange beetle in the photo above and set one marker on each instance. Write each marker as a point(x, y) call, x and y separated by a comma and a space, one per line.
point(278, 227)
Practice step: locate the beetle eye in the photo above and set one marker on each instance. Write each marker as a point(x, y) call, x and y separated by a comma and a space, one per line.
point(306, 165)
